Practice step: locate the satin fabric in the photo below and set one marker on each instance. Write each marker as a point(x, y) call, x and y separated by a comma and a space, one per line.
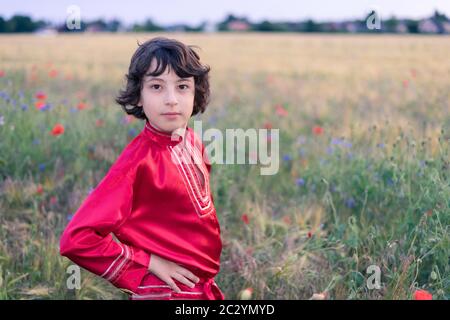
point(155, 199)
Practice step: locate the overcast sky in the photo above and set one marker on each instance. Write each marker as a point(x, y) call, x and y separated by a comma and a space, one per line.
point(196, 11)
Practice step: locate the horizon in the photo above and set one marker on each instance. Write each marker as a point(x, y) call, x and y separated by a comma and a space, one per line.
point(283, 10)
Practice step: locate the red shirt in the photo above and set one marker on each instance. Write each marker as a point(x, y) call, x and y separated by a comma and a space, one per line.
point(154, 200)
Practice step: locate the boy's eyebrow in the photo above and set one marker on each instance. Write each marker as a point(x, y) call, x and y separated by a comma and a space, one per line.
point(149, 78)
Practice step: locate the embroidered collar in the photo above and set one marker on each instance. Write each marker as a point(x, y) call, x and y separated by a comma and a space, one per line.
point(163, 138)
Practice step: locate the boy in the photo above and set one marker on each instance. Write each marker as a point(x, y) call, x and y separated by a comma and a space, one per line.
point(156, 197)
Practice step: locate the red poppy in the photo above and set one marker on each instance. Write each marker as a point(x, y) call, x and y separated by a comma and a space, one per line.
point(309, 234)
point(422, 295)
point(99, 122)
point(39, 104)
point(245, 218)
point(53, 200)
point(41, 95)
point(405, 83)
point(57, 129)
point(53, 73)
point(317, 130)
point(39, 189)
point(281, 111)
point(268, 125)
point(82, 106)
point(287, 220)
point(2, 73)
point(68, 76)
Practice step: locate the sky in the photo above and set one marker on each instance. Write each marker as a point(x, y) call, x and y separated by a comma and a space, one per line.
point(194, 12)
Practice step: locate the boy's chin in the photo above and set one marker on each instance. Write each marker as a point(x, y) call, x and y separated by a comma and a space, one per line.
point(172, 128)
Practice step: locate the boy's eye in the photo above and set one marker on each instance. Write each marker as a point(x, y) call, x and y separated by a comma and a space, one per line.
point(183, 86)
point(155, 86)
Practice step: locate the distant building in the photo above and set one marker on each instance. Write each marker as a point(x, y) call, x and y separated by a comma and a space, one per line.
point(237, 25)
point(446, 27)
point(351, 27)
point(428, 26)
point(401, 27)
point(95, 28)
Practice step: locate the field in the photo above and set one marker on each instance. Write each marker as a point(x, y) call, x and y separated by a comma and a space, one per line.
point(364, 178)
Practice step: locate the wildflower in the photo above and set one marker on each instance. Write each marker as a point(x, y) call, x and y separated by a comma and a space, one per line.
point(68, 76)
point(268, 125)
point(300, 182)
point(282, 112)
point(127, 119)
point(287, 157)
point(317, 130)
point(53, 200)
point(81, 106)
point(319, 296)
point(422, 295)
point(53, 73)
point(301, 139)
point(245, 219)
point(330, 150)
point(24, 107)
point(41, 95)
point(336, 141)
point(57, 130)
point(246, 294)
point(350, 203)
point(302, 152)
point(132, 132)
point(287, 220)
point(40, 105)
point(41, 167)
point(99, 123)
point(39, 189)
point(405, 83)
point(2, 73)
point(310, 234)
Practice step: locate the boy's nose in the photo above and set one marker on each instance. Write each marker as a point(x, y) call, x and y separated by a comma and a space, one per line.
point(170, 98)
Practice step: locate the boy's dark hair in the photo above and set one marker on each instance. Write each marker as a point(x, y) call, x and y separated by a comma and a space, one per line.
point(182, 59)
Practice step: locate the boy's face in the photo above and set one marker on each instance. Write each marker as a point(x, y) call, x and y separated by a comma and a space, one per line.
point(167, 99)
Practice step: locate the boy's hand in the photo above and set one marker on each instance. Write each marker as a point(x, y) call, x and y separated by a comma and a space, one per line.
point(166, 270)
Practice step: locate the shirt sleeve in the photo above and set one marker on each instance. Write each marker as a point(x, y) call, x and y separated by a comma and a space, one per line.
point(87, 239)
